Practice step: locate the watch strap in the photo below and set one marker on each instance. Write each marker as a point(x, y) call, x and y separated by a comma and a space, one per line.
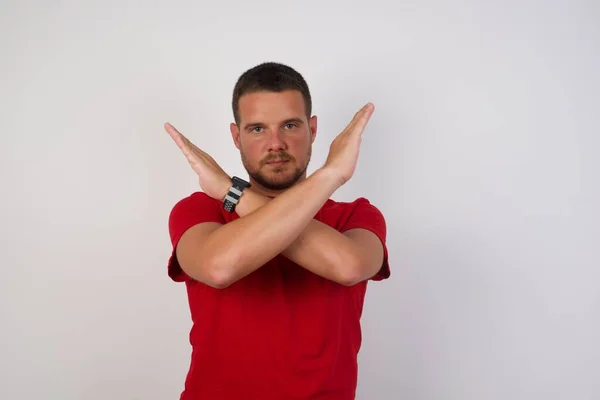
point(234, 194)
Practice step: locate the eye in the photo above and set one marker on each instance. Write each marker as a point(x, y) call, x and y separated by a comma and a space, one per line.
point(290, 125)
point(257, 129)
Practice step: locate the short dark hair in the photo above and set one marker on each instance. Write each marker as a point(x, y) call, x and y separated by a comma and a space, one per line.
point(270, 77)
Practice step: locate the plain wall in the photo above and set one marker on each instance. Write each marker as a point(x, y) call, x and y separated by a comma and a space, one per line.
point(481, 154)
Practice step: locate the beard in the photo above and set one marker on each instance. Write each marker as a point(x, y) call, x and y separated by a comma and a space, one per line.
point(277, 181)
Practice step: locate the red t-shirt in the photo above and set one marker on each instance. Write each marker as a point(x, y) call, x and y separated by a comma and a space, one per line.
point(282, 332)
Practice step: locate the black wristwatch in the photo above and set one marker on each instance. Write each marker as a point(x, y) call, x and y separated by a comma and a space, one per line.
point(235, 192)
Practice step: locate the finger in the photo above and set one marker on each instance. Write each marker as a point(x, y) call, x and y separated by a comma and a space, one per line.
point(183, 140)
point(359, 116)
point(367, 112)
point(176, 136)
point(180, 139)
point(360, 120)
point(191, 152)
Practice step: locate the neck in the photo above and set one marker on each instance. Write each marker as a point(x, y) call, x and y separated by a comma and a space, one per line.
point(271, 193)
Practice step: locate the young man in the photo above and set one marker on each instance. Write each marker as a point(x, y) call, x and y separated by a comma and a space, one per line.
point(276, 271)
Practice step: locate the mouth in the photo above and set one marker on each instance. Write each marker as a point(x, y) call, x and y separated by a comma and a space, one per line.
point(277, 162)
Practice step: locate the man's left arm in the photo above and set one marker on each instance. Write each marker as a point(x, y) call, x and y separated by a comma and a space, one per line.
point(346, 258)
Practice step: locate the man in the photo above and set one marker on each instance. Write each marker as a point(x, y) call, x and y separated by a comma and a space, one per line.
point(276, 271)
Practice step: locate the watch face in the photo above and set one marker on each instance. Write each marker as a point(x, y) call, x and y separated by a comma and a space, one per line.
point(240, 181)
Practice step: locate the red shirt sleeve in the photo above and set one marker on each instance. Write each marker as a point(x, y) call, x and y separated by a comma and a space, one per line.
point(366, 216)
point(190, 211)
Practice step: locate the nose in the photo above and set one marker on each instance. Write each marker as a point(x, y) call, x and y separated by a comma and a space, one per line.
point(275, 140)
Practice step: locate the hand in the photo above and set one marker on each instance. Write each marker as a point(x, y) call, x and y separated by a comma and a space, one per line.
point(343, 152)
point(213, 180)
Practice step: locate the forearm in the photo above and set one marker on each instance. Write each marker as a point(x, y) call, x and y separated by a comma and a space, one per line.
point(318, 247)
point(326, 252)
point(267, 227)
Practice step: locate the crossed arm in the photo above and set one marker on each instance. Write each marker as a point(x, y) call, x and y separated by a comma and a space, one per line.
point(283, 225)
point(219, 255)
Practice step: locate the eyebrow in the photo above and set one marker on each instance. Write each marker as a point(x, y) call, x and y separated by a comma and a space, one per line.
point(287, 121)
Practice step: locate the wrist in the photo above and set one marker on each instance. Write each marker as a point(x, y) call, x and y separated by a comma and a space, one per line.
point(328, 177)
point(226, 185)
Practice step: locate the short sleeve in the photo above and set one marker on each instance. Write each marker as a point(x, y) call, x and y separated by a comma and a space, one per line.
point(366, 216)
point(190, 211)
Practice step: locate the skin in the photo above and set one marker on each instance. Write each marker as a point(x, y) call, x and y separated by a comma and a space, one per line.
point(274, 126)
point(266, 226)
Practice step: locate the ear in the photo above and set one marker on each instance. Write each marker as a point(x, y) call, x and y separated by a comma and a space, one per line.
point(235, 134)
point(312, 123)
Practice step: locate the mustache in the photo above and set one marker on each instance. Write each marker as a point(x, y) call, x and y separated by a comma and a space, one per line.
point(278, 157)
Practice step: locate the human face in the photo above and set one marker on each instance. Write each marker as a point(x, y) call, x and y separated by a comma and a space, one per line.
point(275, 138)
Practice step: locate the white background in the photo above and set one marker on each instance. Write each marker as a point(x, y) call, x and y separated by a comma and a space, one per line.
point(481, 154)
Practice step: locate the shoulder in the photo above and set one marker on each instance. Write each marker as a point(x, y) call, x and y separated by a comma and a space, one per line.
point(196, 202)
point(345, 205)
point(360, 212)
point(360, 204)
point(193, 209)
point(194, 198)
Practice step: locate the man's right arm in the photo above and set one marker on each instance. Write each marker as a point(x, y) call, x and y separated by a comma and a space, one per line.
point(219, 255)
point(222, 254)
